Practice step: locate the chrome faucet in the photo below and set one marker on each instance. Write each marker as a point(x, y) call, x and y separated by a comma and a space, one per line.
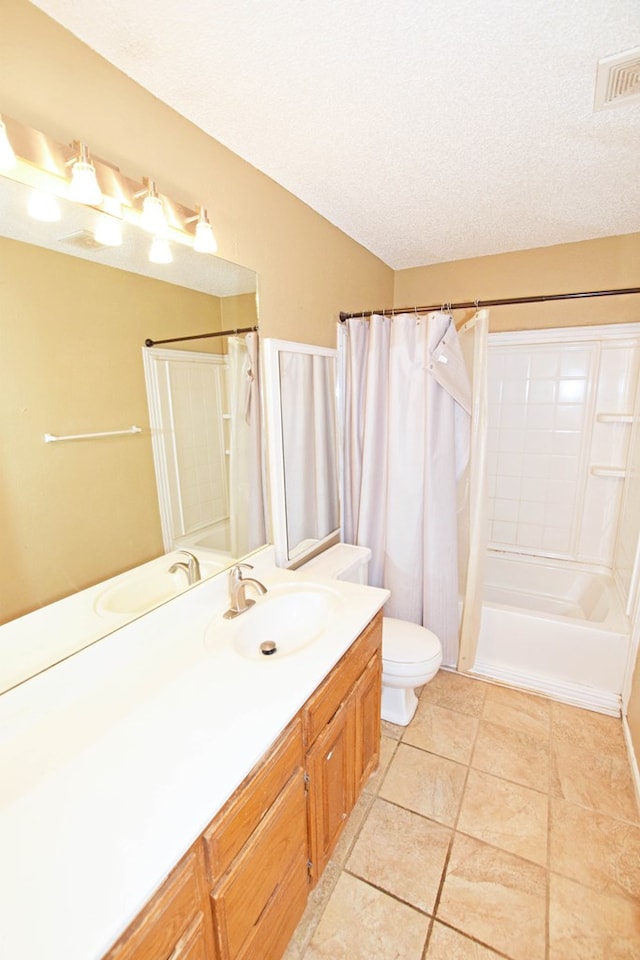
point(238, 602)
point(191, 567)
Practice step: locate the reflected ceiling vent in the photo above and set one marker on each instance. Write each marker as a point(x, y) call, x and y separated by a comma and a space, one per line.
point(84, 239)
point(618, 79)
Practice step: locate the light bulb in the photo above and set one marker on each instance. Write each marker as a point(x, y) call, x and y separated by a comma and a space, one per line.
point(7, 156)
point(108, 231)
point(84, 184)
point(160, 251)
point(153, 218)
point(204, 240)
point(43, 206)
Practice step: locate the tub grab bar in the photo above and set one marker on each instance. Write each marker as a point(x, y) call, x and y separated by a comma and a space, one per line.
point(609, 472)
point(51, 438)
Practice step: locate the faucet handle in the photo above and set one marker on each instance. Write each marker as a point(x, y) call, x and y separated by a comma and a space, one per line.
point(235, 574)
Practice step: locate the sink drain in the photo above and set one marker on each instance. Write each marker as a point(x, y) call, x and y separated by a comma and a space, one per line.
point(268, 647)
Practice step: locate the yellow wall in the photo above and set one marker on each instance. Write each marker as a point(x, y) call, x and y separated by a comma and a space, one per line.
point(567, 268)
point(72, 332)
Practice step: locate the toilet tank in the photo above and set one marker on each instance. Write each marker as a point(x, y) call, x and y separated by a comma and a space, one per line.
point(342, 562)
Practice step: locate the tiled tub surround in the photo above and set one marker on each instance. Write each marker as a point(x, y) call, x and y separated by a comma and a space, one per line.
point(500, 824)
point(551, 408)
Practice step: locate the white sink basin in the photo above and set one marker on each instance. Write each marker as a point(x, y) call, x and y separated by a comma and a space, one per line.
point(292, 616)
point(147, 586)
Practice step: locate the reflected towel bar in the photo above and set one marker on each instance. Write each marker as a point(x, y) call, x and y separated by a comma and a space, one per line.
point(51, 438)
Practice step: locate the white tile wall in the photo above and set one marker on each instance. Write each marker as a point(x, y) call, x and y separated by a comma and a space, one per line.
point(543, 436)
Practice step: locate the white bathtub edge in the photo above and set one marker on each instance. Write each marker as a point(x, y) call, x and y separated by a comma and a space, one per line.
point(576, 694)
point(633, 763)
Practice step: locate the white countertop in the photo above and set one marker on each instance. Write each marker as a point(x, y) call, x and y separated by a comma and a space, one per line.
point(114, 761)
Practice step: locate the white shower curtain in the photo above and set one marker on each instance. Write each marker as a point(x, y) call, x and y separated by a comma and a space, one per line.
point(307, 388)
point(246, 491)
point(472, 490)
point(405, 406)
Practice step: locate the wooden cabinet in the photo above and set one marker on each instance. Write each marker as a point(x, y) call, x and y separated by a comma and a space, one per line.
point(342, 725)
point(260, 842)
point(176, 925)
point(239, 892)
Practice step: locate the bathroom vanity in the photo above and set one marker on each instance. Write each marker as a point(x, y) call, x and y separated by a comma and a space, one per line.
point(167, 795)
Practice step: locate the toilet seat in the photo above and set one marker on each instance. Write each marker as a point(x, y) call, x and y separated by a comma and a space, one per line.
point(408, 649)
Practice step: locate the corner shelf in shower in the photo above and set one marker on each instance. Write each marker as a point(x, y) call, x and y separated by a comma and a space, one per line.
point(615, 418)
point(602, 471)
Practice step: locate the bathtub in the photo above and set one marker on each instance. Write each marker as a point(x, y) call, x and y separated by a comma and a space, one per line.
point(216, 537)
point(553, 627)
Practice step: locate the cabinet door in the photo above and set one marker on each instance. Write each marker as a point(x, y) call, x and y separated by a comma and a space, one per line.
point(250, 893)
point(367, 700)
point(330, 764)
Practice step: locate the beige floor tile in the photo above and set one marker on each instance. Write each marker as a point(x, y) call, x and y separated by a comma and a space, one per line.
point(448, 733)
point(495, 897)
point(587, 729)
point(517, 709)
point(424, 783)
point(587, 925)
point(456, 692)
point(448, 944)
point(596, 850)
point(361, 923)
point(593, 779)
point(506, 815)
point(352, 828)
point(392, 730)
point(512, 754)
point(387, 749)
point(401, 852)
point(316, 904)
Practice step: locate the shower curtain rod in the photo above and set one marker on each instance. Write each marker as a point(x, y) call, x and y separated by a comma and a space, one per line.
point(470, 304)
point(202, 336)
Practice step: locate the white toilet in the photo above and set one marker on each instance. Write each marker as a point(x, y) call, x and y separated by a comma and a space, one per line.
point(411, 654)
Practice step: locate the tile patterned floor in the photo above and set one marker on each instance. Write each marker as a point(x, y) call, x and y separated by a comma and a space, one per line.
point(499, 825)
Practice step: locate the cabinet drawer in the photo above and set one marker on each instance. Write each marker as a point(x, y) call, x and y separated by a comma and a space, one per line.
point(272, 933)
point(241, 815)
point(323, 704)
point(156, 933)
point(242, 899)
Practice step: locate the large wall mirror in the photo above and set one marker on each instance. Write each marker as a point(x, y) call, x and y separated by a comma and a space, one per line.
point(300, 390)
point(74, 316)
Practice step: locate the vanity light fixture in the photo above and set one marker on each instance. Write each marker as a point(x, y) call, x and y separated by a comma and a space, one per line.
point(153, 218)
point(43, 206)
point(84, 186)
point(160, 251)
point(204, 240)
point(108, 230)
point(7, 156)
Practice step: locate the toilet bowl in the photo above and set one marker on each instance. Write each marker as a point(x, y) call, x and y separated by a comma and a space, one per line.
point(411, 654)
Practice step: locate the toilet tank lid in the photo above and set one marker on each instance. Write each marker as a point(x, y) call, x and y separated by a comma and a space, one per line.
point(405, 642)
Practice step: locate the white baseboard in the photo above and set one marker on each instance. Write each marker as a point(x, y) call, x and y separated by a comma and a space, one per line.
point(578, 695)
point(633, 763)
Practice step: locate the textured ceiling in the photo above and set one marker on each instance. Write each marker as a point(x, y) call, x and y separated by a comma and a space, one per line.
point(427, 130)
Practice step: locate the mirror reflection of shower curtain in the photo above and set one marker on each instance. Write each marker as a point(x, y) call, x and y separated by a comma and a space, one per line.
point(405, 402)
point(247, 512)
point(472, 492)
point(307, 388)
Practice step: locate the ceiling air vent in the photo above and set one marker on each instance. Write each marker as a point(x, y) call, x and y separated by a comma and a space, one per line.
point(618, 79)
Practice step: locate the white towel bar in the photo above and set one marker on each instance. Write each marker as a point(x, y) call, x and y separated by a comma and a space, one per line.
point(51, 438)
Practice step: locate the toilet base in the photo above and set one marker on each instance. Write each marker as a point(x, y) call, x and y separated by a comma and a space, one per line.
point(398, 704)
